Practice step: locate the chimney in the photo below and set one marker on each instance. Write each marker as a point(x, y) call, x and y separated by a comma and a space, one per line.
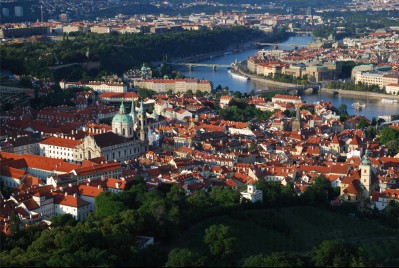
point(74, 195)
point(66, 194)
point(98, 186)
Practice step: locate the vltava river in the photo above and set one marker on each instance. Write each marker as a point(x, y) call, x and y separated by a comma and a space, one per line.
point(374, 107)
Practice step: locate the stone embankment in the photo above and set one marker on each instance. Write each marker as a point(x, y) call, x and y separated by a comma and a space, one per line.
point(359, 93)
point(267, 81)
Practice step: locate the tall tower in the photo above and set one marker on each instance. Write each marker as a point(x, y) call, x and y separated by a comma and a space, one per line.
point(296, 123)
point(365, 172)
point(133, 114)
point(143, 122)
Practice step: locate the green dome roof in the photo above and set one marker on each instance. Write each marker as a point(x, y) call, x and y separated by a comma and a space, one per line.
point(122, 118)
point(365, 159)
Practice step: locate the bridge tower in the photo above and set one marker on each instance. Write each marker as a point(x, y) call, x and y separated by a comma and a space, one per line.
point(214, 67)
point(190, 67)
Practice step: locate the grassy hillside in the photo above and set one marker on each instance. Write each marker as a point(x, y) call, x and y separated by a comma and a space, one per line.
point(293, 229)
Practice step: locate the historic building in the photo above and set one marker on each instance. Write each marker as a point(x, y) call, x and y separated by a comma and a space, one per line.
point(128, 139)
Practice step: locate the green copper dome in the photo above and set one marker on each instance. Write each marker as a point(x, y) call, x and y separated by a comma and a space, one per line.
point(122, 117)
point(365, 159)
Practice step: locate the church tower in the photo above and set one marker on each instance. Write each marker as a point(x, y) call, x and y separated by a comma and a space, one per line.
point(122, 123)
point(143, 122)
point(296, 123)
point(365, 172)
point(133, 114)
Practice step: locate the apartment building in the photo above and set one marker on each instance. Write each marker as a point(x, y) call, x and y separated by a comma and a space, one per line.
point(175, 85)
point(376, 78)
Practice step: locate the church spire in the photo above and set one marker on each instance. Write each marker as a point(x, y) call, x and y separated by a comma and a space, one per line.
point(133, 110)
point(122, 109)
point(365, 159)
point(141, 110)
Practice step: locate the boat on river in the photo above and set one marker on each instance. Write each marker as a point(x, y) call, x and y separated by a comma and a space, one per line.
point(389, 100)
point(358, 106)
point(237, 75)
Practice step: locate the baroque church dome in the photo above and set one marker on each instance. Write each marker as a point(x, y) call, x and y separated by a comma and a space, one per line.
point(122, 117)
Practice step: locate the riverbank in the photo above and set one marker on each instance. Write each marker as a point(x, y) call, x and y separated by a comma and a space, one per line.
point(231, 49)
point(265, 81)
point(359, 93)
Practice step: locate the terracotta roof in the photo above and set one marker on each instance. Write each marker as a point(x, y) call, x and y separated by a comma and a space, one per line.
point(69, 200)
point(117, 95)
point(61, 142)
point(13, 172)
point(82, 171)
point(42, 162)
point(88, 190)
point(354, 187)
point(31, 204)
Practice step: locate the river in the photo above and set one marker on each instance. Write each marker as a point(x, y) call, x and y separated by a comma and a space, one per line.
point(374, 107)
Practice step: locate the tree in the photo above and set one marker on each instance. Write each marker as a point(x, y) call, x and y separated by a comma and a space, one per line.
point(320, 192)
point(63, 220)
point(393, 146)
point(370, 132)
point(362, 124)
point(218, 88)
point(107, 204)
point(276, 259)
point(15, 223)
point(373, 121)
point(199, 93)
point(146, 93)
point(237, 94)
point(388, 134)
point(335, 253)
point(224, 196)
point(220, 241)
point(343, 109)
point(182, 257)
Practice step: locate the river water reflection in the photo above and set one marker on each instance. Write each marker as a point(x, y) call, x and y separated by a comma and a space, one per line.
point(374, 107)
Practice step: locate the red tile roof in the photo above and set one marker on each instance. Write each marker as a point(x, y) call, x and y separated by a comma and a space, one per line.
point(69, 200)
point(61, 142)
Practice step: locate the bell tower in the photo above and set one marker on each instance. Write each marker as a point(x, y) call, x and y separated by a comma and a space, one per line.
point(296, 123)
point(365, 172)
point(142, 118)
